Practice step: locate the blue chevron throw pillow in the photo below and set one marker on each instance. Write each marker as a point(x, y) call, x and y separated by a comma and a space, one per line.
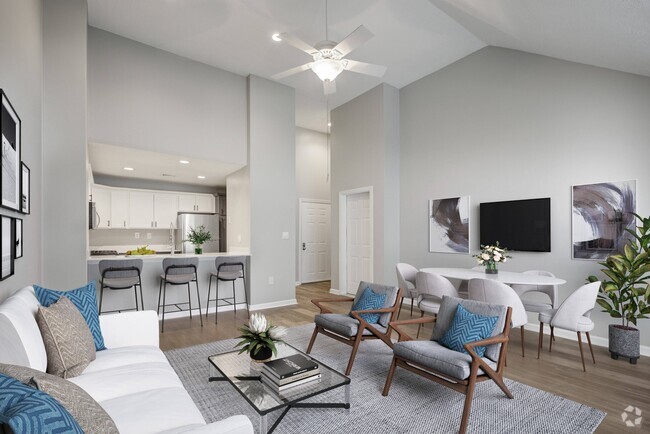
point(370, 300)
point(27, 410)
point(468, 327)
point(84, 299)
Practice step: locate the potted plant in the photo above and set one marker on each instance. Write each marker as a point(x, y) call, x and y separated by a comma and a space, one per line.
point(625, 294)
point(198, 236)
point(259, 336)
point(490, 256)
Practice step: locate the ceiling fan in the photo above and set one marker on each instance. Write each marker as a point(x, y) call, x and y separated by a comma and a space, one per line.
point(329, 56)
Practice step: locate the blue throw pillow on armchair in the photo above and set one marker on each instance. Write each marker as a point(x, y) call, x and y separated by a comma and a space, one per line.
point(85, 299)
point(468, 327)
point(370, 300)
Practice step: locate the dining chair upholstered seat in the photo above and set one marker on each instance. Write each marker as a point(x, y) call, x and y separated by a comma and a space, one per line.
point(178, 278)
point(431, 289)
point(406, 274)
point(120, 282)
point(583, 324)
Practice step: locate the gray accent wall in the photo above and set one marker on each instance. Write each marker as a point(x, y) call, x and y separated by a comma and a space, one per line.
point(64, 217)
point(21, 77)
point(502, 125)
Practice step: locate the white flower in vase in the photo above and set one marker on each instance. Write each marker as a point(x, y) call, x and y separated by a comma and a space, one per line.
point(258, 323)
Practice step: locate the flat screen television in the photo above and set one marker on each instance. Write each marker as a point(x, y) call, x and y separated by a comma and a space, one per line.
point(523, 225)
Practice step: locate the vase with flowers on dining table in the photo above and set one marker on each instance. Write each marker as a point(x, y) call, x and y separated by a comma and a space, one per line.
point(490, 256)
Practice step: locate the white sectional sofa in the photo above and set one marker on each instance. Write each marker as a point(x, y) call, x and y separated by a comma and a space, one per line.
point(132, 379)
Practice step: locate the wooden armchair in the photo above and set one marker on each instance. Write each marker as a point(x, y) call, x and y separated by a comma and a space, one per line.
point(458, 371)
point(352, 329)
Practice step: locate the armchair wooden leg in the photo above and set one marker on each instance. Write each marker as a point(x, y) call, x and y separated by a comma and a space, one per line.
point(312, 340)
point(389, 379)
point(550, 343)
point(469, 394)
point(522, 342)
point(353, 355)
point(400, 308)
point(419, 326)
point(590, 348)
point(541, 338)
point(582, 356)
point(411, 306)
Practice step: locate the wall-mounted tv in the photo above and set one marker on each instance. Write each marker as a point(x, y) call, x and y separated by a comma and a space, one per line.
point(523, 225)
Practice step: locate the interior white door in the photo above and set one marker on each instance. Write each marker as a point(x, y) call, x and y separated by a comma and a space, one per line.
point(359, 240)
point(314, 241)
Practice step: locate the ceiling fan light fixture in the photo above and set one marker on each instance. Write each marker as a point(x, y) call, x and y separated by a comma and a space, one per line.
point(327, 69)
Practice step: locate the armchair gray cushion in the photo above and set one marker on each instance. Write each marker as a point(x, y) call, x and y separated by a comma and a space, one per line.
point(448, 310)
point(343, 325)
point(391, 296)
point(434, 356)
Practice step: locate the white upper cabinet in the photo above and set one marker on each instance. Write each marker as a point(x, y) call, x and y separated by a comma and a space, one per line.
point(141, 210)
point(186, 203)
point(165, 210)
point(119, 209)
point(204, 203)
point(102, 199)
point(196, 203)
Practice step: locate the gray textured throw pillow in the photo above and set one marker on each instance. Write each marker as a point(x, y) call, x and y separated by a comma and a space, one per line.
point(68, 342)
point(90, 416)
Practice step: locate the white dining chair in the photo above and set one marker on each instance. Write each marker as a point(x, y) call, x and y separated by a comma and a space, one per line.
point(550, 290)
point(406, 281)
point(495, 292)
point(574, 314)
point(463, 291)
point(431, 288)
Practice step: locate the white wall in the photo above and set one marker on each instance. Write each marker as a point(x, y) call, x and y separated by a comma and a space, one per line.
point(145, 98)
point(503, 124)
point(64, 143)
point(238, 211)
point(21, 75)
point(364, 151)
point(272, 165)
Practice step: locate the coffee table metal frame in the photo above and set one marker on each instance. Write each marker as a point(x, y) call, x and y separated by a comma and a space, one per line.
point(293, 397)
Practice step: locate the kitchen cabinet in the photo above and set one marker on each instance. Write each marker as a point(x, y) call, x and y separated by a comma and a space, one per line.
point(196, 203)
point(102, 199)
point(165, 210)
point(186, 203)
point(204, 203)
point(119, 209)
point(141, 210)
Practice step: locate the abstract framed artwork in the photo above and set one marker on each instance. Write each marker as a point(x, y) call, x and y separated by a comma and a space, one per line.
point(10, 134)
point(7, 247)
point(25, 196)
point(449, 225)
point(601, 214)
point(18, 232)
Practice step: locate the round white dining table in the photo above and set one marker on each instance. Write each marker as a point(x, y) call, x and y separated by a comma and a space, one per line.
point(507, 277)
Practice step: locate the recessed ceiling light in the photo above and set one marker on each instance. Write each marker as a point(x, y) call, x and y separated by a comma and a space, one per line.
point(201, 177)
point(329, 124)
point(128, 168)
point(183, 161)
point(276, 37)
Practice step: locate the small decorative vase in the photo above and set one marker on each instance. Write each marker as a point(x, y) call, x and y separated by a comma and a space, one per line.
point(624, 342)
point(262, 355)
point(491, 268)
point(198, 250)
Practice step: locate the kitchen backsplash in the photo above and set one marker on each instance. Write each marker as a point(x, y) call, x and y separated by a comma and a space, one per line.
point(126, 237)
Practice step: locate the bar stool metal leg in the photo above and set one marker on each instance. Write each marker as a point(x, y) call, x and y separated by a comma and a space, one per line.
point(216, 312)
point(198, 300)
point(162, 330)
point(141, 297)
point(207, 303)
point(234, 297)
point(189, 299)
point(135, 292)
point(159, 294)
point(101, 297)
point(246, 295)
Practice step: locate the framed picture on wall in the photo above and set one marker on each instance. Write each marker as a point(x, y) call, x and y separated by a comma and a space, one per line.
point(449, 225)
point(11, 143)
point(7, 247)
point(25, 184)
point(18, 231)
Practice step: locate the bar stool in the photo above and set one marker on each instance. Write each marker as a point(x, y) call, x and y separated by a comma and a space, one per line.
point(178, 271)
point(120, 274)
point(229, 269)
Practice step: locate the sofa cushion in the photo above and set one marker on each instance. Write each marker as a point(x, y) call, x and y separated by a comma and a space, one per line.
point(27, 410)
point(124, 356)
point(342, 324)
point(154, 411)
point(85, 298)
point(90, 416)
point(68, 342)
point(467, 327)
point(20, 337)
point(436, 357)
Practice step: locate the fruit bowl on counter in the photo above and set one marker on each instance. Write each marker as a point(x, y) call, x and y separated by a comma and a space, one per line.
point(144, 250)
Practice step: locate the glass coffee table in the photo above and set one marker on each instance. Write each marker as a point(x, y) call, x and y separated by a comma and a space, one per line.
point(244, 374)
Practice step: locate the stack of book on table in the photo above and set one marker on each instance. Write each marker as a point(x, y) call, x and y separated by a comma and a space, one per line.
point(287, 372)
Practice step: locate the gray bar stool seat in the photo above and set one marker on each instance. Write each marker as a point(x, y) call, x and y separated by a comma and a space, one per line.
point(229, 269)
point(178, 271)
point(119, 274)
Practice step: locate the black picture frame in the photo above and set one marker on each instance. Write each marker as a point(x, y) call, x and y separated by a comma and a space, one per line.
point(19, 241)
point(10, 150)
point(25, 196)
point(7, 247)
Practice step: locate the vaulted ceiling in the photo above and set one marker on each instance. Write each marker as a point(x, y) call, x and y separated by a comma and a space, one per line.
point(413, 38)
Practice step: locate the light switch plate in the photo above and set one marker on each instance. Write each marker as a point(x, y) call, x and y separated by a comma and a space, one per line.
point(148, 235)
point(285, 235)
point(271, 280)
point(137, 235)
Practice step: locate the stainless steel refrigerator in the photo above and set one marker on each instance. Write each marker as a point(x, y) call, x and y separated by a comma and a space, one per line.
point(186, 221)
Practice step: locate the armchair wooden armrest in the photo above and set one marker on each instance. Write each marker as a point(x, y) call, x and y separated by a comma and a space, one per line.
point(323, 309)
point(498, 339)
point(402, 335)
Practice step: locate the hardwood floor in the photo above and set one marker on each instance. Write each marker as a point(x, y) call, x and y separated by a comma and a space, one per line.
point(609, 385)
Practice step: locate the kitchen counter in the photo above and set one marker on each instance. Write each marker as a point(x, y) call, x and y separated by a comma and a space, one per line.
point(159, 257)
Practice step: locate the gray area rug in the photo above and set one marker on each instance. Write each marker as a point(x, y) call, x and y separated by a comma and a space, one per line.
point(414, 405)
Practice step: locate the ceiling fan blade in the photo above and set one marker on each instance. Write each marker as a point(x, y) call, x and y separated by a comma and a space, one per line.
point(329, 87)
point(298, 43)
point(354, 40)
point(365, 68)
point(291, 71)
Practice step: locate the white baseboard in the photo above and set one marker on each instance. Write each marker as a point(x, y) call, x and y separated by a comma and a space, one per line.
point(298, 283)
point(335, 291)
point(273, 304)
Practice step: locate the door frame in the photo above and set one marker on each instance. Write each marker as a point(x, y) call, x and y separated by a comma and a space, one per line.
point(300, 202)
point(343, 235)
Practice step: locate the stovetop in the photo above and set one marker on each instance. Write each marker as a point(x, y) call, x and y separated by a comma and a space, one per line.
point(103, 253)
